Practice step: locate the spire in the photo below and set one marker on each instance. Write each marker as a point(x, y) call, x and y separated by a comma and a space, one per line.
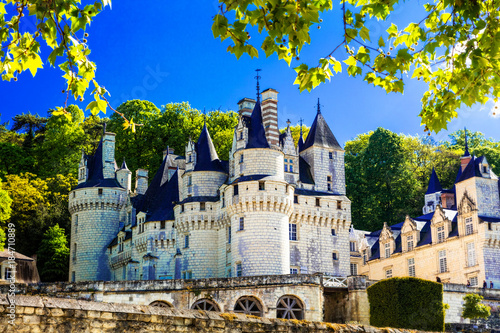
point(124, 165)
point(434, 184)
point(206, 155)
point(301, 139)
point(256, 133)
point(320, 134)
point(258, 87)
point(466, 153)
point(319, 107)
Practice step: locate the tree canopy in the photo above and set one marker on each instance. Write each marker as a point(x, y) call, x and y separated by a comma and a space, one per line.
point(473, 308)
point(453, 47)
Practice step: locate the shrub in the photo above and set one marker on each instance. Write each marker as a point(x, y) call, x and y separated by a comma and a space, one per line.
point(407, 302)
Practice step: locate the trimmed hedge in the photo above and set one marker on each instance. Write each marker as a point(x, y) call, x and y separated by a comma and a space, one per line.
point(407, 302)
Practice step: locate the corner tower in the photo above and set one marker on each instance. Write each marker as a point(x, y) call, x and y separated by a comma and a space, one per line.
point(95, 206)
point(325, 156)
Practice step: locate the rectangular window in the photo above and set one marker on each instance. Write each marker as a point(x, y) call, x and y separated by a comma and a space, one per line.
point(229, 235)
point(469, 229)
point(99, 191)
point(411, 267)
point(235, 190)
point(294, 271)
point(318, 204)
point(409, 243)
point(387, 247)
point(473, 281)
point(202, 206)
point(330, 155)
point(241, 158)
point(223, 200)
point(291, 167)
point(262, 186)
point(74, 252)
point(388, 273)
point(352, 246)
point(184, 274)
point(471, 254)
point(333, 232)
point(354, 269)
point(364, 257)
point(186, 241)
point(339, 204)
point(189, 274)
point(182, 208)
point(328, 178)
point(239, 270)
point(295, 199)
point(162, 224)
point(329, 187)
point(335, 256)
point(292, 231)
point(440, 233)
point(242, 223)
point(443, 265)
point(286, 167)
point(489, 226)
point(190, 180)
point(73, 276)
point(76, 224)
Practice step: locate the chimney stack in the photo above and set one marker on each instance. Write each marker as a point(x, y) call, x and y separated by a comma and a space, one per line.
point(270, 115)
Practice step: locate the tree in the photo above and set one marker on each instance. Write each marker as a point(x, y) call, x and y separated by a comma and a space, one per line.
point(31, 124)
point(453, 47)
point(5, 211)
point(53, 255)
point(473, 308)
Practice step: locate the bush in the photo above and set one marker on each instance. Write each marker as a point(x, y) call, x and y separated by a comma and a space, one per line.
point(407, 303)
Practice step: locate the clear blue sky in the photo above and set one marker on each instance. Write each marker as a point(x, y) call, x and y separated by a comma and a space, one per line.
point(164, 51)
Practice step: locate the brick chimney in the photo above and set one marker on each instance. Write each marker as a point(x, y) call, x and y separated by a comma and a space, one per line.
point(270, 115)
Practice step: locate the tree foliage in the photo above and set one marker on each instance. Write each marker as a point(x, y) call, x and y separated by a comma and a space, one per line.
point(387, 175)
point(453, 47)
point(473, 308)
point(53, 255)
point(171, 126)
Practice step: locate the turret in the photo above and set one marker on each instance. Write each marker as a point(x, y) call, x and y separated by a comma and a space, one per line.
point(433, 194)
point(124, 177)
point(322, 152)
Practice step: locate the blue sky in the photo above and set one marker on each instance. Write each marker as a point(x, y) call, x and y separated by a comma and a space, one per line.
point(165, 52)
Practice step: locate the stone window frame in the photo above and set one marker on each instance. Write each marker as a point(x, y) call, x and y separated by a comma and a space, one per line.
point(229, 234)
point(75, 248)
point(354, 269)
point(334, 232)
point(411, 267)
point(471, 252)
point(290, 307)
point(203, 206)
point(474, 281)
point(441, 233)
point(318, 202)
point(335, 256)
point(409, 243)
point(239, 269)
point(241, 158)
point(292, 233)
point(295, 199)
point(186, 241)
point(294, 270)
point(442, 261)
point(469, 225)
point(76, 224)
point(388, 272)
point(387, 250)
point(262, 186)
point(339, 204)
point(352, 246)
point(205, 304)
point(241, 225)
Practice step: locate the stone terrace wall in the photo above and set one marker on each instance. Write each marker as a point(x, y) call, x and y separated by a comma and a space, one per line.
point(43, 314)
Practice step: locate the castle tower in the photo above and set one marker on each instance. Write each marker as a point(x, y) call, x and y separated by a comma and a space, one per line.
point(196, 214)
point(325, 156)
point(124, 177)
point(95, 206)
point(259, 203)
point(433, 194)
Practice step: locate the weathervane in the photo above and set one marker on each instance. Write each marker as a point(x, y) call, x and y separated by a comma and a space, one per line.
point(258, 87)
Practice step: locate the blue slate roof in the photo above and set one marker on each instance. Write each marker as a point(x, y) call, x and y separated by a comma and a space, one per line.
point(301, 141)
point(472, 169)
point(305, 174)
point(95, 176)
point(200, 199)
point(312, 193)
point(256, 133)
point(206, 155)
point(249, 178)
point(489, 219)
point(159, 200)
point(320, 135)
point(434, 184)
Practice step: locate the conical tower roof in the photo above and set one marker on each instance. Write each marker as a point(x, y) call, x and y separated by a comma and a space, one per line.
point(320, 134)
point(434, 184)
point(206, 155)
point(301, 140)
point(256, 133)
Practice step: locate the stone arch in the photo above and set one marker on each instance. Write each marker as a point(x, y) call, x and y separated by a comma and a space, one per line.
point(249, 305)
point(161, 304)
point(290, 307)
point(205, 304)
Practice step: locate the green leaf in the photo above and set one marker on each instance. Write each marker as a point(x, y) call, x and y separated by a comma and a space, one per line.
point(392, 30)
point(381, 42)
point(364, 33)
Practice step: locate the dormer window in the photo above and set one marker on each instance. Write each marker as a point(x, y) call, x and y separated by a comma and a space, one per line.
point(440, 234)
point(387, 247)
point(485, 168)
point(469, 227)
point(409, 243)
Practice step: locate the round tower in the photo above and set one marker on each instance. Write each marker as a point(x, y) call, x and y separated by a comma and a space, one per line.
point(95, 206)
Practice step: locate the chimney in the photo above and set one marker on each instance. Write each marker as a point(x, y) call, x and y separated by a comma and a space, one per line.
point(447, 200)
point(464, 160)
point(141, 181)
point(246, 106)
point(108, 155)
point(270, 116)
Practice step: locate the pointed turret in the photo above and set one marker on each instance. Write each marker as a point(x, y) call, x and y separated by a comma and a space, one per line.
point(256, 132)
point(466, 152)
point(124, 165)
point(434, 184)
point(301, 138)
point(206, 155)
point(320, 134)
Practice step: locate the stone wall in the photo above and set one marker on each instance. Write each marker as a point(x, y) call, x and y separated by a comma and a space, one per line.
point(44, 314)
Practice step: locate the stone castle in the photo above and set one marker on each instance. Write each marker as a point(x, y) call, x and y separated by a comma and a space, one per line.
point(273, 208)
point(457, 240)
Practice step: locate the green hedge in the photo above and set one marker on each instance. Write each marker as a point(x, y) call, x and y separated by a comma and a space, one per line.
point(407, 303)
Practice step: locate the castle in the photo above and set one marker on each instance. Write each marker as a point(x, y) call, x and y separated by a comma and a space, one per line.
point(457, 240)
point(273, 208)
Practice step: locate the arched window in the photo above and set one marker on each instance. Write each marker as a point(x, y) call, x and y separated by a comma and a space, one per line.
point(205, 305)
point(161, 304)
point(290, 307)
point(249, 305)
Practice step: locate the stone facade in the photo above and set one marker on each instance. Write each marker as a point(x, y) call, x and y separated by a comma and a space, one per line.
point(453, 243)
point(271, 209)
